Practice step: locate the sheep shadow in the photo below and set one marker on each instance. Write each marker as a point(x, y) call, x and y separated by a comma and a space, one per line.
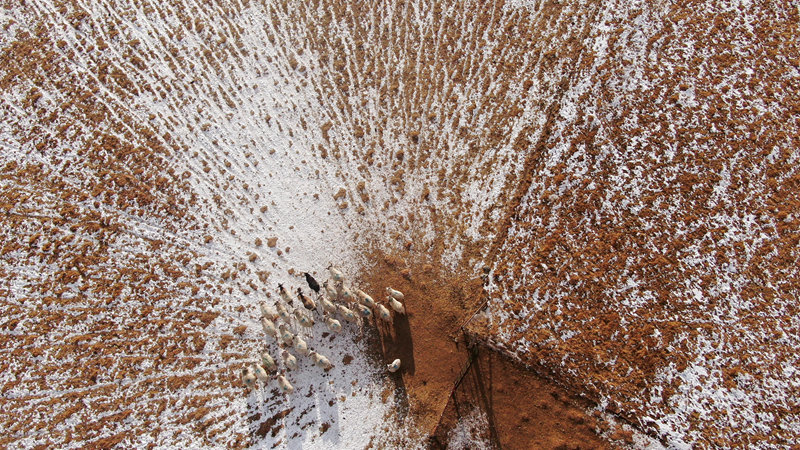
point(396, 342)
point(400, 396)
point(391, 342)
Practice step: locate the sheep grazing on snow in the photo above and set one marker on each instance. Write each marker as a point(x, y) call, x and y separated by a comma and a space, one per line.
point(330, 290)
point(395, 293)
point(300, 345)
point(312, 283)
point(284, 385)
point(365, 299)
point(268, 311)
point(394, 366)
point(320, 360)
point(303, 318)
point(289, 360)
point(327, 306)
point(261, 374)
point(249, 377)
point(307, 302)
point(346, 294)
point(286, 336)
point(397, 306)
point(347, 313)
point(285, 294)
point(283, 313)
point(268, 362)
point(364, 310)
point(335, 274)
point(333, 324)
point(269, 327)
point(384, 314)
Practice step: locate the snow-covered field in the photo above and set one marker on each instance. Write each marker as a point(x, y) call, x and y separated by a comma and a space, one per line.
point(166, 164)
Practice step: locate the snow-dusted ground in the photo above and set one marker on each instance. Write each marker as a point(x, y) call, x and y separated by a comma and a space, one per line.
point(653, 259)
point(248, 177)
point(152, 151)
point(470, 432)
point(149, 147)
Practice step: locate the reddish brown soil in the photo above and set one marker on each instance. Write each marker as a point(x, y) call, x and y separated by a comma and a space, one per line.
point(424, 339)
point(526, 409)
point(523, 409)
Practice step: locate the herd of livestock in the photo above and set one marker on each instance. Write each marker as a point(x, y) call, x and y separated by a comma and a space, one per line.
point(335, 298)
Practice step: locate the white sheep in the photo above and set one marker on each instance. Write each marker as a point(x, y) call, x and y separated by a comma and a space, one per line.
point(261, 373)
point(286, 295)
point(335, 274)
point(395, 293)
point(333, 324)
point(346, 294)
point(327, 306)
point(268, 362)
point(300, 345)
point(384, 314)
point(347, 313)
point(324, 363)
point(320, 360)
point(330, 290)
point(365, 299)
point(268, 311)
point(283, 313)
point(289, 360)
point(394, 366)
point(284, 385)
point(286, 336)
point(397, 306)
point(303, 318)
point(249, 377)
point(269, 327)
point(364, 310)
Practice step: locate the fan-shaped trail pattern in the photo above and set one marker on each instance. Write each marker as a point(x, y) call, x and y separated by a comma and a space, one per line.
point(166, 164)
point(652, 259)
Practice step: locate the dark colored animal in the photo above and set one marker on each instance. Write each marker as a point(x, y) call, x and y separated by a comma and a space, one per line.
point(312, 283)
point(307, 302)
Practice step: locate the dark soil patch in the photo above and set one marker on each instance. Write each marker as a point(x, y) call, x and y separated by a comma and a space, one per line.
point(271, 425)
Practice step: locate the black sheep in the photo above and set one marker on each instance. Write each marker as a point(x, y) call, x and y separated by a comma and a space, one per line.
point(312, 283)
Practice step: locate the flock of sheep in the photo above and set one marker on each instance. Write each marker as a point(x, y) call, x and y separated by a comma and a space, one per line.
point(337, 298)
